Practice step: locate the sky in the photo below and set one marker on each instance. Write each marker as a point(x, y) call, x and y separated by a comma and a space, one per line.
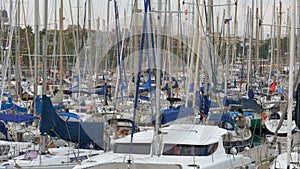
point(99, 10)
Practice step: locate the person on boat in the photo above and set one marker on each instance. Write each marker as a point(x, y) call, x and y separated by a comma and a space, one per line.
point(55, 91)
point(241, 120)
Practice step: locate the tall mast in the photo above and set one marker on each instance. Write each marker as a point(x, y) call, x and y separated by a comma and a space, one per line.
point(192, 56)
point(195, 49)
point(158, 77)
point(291, 80)
point(44, 135)
point(10, 21)
point(227, 49)
point(272, 43)
point(234, 34)
point(61, 26)
point(36, 46)
point(45, 45)
point(261, 30)
point(257, 39)
point(249, 65)
point(278, 39)
point(17, 52)
point(208, 33)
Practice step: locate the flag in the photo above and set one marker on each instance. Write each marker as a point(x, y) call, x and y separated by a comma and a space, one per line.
point(272, 88)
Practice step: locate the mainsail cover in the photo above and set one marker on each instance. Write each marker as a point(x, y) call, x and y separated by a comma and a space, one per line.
point(84, 133)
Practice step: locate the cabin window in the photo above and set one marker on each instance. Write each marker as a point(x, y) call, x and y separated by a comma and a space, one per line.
point(137, 148)
point(189, 150)
point(275, 116)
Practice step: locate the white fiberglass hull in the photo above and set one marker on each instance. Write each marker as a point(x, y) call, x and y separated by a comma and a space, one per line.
point(114, 161)
point(271, 125)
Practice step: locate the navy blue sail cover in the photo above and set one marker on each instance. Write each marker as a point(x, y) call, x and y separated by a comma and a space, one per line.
point(83, 133)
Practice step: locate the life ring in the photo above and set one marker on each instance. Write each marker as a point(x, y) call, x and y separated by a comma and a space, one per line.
point(263, 115)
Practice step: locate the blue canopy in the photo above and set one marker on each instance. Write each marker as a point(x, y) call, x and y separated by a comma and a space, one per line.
point(18, 118)
point(238, 113)
point(59, 107)
point(84, 133)
point(68, 115)
point(173, 114)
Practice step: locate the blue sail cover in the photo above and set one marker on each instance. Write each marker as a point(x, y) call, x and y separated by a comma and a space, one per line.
point(38, 103)
point(251, 104)
point(17, 118)
point(12, 106)
point(39, 106)
point(84, 133)
point(169, 115)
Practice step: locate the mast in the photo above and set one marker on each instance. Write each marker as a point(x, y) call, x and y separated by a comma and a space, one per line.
point(61, 26)
point(208, 34)
point(234, 34)
point(17, 53)
point(73, 30)
point(261, 32)
point(257, 39)
point(158, 71)
point(290, 93)
point(135, 35)
point(45, 46)
point(44, 135)
point(192, 56)
point(227, 49)
point(55, 38)
point(36, 46)
point(27, 40)
point(272, 43)
point(278, 39)
point(249, 65)
point(196, 49)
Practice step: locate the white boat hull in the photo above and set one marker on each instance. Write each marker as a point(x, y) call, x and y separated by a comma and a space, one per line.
point(271, 125)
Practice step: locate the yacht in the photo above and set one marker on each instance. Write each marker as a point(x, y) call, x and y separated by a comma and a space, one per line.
point(272, 122)
point(180, 146)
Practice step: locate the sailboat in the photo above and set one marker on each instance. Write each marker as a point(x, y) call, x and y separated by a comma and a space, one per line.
point(50, 156)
